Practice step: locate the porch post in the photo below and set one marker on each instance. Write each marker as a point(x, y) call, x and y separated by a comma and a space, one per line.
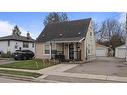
point(75, 51)
point(68, 50)
point(50, 50)
point(63, 48)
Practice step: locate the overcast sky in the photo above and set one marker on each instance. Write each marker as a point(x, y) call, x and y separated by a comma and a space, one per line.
point(33, 21)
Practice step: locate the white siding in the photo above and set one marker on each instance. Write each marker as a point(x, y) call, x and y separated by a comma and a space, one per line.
point(120, 52)
point(101, 52)
point(4, 46)
point(90, 43)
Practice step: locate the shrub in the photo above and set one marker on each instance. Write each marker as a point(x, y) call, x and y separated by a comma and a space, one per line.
point(6, 55)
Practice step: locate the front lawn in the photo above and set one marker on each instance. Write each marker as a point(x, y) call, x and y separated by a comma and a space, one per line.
point(21, 73)
point(35, 64)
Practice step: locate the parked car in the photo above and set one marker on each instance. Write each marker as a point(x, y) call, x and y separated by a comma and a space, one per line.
point(23, 54)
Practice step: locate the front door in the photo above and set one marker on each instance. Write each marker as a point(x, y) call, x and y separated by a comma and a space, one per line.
point(71, 51)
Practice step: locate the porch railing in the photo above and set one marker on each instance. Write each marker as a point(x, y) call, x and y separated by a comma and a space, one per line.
point(76, 54)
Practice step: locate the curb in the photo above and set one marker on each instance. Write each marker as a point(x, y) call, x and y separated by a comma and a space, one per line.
point(17, 77)
point(91, 76)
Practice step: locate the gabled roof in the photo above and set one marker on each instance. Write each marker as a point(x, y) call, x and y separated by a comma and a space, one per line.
point(99, 45)
point(62, 30)
point(122, 46)
point(16, 38)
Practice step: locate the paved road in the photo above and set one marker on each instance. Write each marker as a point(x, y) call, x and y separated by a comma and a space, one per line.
point(78, 80)
point(8, 80)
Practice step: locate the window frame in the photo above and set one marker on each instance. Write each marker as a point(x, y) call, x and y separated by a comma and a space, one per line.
point(33, 45)
point(25, 44)
point(91, 33)
point(46, 50)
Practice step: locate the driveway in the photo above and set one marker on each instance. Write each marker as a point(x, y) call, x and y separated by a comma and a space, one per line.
point(102, 66)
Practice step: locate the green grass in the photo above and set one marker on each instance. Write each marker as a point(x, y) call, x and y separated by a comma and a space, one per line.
point(35, 64)
point(20, 73)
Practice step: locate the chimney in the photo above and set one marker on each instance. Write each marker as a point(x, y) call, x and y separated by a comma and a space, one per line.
point(28, 35)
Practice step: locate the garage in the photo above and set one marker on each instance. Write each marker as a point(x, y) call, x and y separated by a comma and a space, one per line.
point(101, 50)
point(120, 51)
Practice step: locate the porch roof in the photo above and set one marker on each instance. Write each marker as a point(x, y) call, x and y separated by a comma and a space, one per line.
point(67, 40)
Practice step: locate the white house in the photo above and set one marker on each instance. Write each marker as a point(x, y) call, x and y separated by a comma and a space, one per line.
point(120, 52)
point(101, 50)
point(16, 42)
point(73, 39)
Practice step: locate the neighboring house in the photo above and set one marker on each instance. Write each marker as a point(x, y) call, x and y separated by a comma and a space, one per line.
point(101, 50)
point(75, 39)
point(120, 52)
point(16, 42)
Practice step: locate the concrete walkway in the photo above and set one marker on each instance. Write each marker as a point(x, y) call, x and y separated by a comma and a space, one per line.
point(55, 68)
point(59, 69)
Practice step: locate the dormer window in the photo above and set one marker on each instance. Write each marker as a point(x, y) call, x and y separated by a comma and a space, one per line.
point(61, 34)
point(79, 33)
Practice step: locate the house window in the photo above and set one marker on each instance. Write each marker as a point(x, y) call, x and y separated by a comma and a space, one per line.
point(32, 45)
point(54, 51)
point(90, 33)
point(88, 51)
point(88, 48)
point(47, 47)
point(16, 46)
point(8, 43)
point(25, 44)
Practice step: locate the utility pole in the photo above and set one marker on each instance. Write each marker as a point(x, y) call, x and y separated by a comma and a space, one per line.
point(126, 36)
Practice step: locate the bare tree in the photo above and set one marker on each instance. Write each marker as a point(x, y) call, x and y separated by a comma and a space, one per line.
point(55, 17)
point(111, 33)
point(16, 31)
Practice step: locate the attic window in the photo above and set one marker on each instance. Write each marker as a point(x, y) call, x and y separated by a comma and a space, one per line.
point(79, 33)
point(61, 34)
point(90, 33)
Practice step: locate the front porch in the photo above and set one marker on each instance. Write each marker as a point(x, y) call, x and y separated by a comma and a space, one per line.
point(70, 51)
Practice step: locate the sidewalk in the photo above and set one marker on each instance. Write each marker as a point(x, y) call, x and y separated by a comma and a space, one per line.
point(59, 69)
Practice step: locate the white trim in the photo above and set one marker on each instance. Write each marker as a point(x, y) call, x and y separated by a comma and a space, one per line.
point(64, 41)
point(68, 50)
point(50, 50)
point(82, 39)
point(122, 46)
point(74, 51)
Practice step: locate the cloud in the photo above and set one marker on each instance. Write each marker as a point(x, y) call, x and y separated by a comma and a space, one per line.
point(6, 28)
point(122, 18)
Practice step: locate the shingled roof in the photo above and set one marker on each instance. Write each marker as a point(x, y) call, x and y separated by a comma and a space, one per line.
point(68, 29)
point(17, 38)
